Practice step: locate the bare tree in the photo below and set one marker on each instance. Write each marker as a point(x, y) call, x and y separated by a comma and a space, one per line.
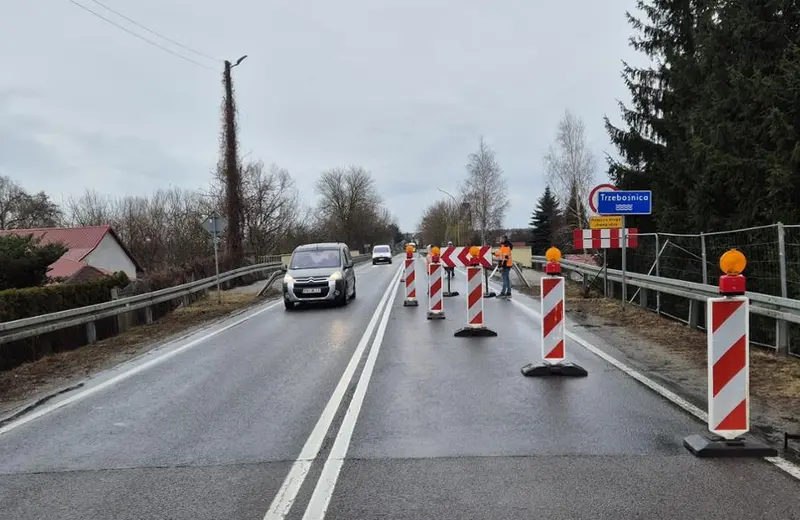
point(161, 230)
point(570, 167)
point(436, 223)
point(22, 210)
point(349, 202)
point(270, 204)
point(90, 209)
point(485, 189)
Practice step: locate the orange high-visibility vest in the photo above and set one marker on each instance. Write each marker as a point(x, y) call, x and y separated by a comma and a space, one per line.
point(504, 255)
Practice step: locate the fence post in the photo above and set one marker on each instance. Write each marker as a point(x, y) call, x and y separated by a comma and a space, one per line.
point(703, 256)
point(781, 326)
point(122, 318)
point(91, 332)
point(658, 273)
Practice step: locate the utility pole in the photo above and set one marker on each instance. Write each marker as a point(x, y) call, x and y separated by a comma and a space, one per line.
point(233, 182)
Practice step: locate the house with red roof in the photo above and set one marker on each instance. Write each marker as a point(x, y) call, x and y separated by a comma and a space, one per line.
point(94, 251)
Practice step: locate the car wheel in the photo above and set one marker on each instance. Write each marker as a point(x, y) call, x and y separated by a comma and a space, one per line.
point(343, 299)
point(374, 262)
point(354, 291)
point(289, 305)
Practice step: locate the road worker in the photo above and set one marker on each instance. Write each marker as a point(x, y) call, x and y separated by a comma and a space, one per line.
point(503, 256)
point(450, 271)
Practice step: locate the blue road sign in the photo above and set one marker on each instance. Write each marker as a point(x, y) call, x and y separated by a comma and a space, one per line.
point(625, 202)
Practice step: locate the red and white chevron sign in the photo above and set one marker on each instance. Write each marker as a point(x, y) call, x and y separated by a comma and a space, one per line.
point(603, 238)
point(457, 256)
point(728, 367)
point(552, 297)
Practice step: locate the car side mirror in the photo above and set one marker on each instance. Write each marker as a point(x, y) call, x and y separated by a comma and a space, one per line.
point(349, 265)
point(283, 268)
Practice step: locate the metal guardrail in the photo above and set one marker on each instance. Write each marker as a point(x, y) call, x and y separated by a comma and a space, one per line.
point(776, 307)
point(37, 325)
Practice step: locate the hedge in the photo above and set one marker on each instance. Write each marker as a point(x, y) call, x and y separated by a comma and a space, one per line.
point(16, 304)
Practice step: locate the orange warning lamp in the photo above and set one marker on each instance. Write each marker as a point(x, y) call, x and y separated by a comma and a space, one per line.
point(553, 256)
point(732, 263)
point(435, 252)
point(409, 251)
point(474, 253)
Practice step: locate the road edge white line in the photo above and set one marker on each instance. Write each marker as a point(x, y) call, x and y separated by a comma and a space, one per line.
point(781, 463)
point(290, 487)
point(138, 367)
point(128, 373)
point(323, 492)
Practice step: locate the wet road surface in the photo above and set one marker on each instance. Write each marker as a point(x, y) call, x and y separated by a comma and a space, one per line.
point(243, 424)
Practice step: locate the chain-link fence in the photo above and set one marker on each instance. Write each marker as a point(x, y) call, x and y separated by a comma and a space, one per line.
point(773, 268)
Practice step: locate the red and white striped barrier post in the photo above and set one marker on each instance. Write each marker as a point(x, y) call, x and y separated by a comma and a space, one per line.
point(409, 277)
point(435, 305)
point(553, 325)
point(727, 323)
point(475, 317)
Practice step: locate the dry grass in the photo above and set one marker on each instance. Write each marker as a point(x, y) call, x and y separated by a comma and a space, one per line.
point(56, 371)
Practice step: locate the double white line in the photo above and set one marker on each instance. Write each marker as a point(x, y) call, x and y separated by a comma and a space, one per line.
point(287, 494)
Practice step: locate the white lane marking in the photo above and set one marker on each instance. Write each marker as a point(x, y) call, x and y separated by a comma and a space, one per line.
point(326, 484)
point(133, 371)
point(128, 373)
point(781, 463)
point(286, 495)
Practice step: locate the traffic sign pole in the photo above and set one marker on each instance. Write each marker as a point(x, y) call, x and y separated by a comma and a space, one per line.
point(624, 262)
point(215, 225)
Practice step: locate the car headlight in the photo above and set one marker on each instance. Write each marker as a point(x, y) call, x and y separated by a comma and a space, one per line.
point(288, 279)
point(336, 276)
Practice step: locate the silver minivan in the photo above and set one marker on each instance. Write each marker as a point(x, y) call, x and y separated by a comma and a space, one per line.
point(319, 273)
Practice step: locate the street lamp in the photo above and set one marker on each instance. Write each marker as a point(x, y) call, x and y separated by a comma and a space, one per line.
point(458, 220)
point(233, 201)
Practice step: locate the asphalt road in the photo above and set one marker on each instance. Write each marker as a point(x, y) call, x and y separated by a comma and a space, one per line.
point(258, 420)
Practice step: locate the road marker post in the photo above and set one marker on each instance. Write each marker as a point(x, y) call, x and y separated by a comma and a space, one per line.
point(435, 307)
point(409, 277)
point(476, 327)
point(727, 323)
point(553, 325)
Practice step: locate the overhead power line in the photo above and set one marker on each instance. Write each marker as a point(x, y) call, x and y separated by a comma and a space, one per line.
point(151, 31)
point(154, 44)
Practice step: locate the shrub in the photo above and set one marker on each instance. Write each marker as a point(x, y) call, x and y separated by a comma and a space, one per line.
point(25, 261)
point(16, 304)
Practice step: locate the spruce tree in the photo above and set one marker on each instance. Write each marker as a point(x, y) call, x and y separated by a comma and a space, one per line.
point(746, 136)
point(655, 145)
point(546, 222)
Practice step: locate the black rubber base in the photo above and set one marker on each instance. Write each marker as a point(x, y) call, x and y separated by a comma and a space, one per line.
point(410, 303)
point(475, 332)
point(554, 369)
point(435, 315)
point(450, 294)
point(714, 446)
point(490, 294)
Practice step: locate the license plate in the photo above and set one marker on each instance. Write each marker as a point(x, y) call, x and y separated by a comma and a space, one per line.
point(314, 290)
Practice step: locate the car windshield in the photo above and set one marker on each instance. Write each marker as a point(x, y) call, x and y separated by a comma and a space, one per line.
point(381, 249)
point(315, 259)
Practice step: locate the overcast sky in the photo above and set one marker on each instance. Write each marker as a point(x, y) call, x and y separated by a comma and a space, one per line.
point(403, 88)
